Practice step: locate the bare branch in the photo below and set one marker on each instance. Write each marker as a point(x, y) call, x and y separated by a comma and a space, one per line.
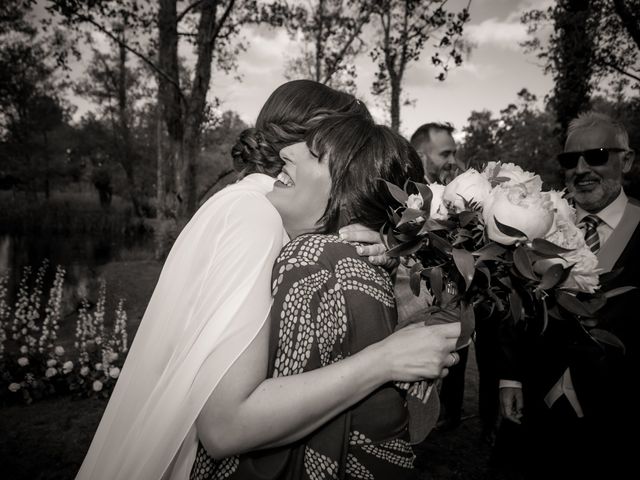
point(187, 10)
point(222, 21)
point(620, 70)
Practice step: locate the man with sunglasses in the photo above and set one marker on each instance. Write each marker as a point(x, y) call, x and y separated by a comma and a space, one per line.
point(577, 400)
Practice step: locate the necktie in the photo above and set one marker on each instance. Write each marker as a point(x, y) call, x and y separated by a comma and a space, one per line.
point(589, 225)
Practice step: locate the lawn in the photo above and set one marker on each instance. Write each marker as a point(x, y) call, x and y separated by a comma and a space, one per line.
point(48, 439)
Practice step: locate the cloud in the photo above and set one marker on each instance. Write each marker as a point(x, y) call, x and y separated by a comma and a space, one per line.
point(504, 34)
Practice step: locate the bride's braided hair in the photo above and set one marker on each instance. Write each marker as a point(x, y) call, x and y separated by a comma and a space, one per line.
point(289, 113)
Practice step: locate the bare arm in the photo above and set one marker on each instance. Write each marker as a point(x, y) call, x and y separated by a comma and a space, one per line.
point(246, 412)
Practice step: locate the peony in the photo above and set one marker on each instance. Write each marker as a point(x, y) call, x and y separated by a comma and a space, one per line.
point(584, 274)
point(564, 211)
point(470, 186)
point(114, 372)
point(84, 371)
point(514, 206)
point(23, 361)
point(24, 349)
point(50, 372)
point(51, 362)
point(415, 201)
point(59, 351)
point(97, 386)
point(67, 366)
point(515, 174)
point(14, 387)
point(438, 209)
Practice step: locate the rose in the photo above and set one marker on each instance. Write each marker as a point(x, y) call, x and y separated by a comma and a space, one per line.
point(514, 206)
point(584, 274)
point(84, 371)
point(23, 361)
point(114, 372)
point(97, 386)
point(59, 351)
point(67, 367)
point(415, 201)
point(14, 387)
point(50, 372)
point(51, 362)
point(470, 186)
point(515, 174)
point(438, 209)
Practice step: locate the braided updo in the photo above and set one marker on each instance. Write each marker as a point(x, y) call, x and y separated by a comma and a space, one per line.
point(287, 115)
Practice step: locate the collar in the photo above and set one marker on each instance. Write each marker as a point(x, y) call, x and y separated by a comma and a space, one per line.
point(611, 214)
point(263, 182)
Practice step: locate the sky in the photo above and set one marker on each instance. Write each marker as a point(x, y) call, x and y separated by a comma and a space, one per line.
point(489, 78)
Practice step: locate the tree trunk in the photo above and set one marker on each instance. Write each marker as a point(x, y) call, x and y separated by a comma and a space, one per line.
point(396, 90)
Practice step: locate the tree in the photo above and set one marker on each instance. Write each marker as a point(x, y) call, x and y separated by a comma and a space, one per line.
point(404, 28)
point(592, 40)
point(332, 36)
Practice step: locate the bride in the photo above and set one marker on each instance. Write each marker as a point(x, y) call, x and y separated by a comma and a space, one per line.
point(209, 314)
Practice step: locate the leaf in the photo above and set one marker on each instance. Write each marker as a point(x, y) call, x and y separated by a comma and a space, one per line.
point(440, 243)
point(482, 268)
point(614, 292)
point(545, 315)
point(435, 278)
point(465, 263)
point(509, 231)
point(467, 324)
point(414, 278)
point(410, 214)
point(523, 263)
point(515, 304)
point(607, 338)
point(397, 193)
point(432, 225)
point(466, 217)
point(551, 277)
point(427, 196)
point(609, 276)
point(491, 251)
point(405, 248)
point(572, 304)
point(545, 247)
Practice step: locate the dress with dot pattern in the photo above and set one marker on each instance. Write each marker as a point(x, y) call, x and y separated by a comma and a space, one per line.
point(330, 303)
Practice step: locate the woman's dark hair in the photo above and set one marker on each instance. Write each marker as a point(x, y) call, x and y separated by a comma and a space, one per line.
point(284, 119)
point(360, 155)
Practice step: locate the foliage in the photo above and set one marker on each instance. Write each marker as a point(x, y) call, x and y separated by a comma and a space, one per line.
point(522, 134)
point(33, 363)
point(404, 27)
point(331, 31)
point(591, 40)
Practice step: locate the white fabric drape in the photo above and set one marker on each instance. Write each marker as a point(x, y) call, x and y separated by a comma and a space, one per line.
point(212, 298)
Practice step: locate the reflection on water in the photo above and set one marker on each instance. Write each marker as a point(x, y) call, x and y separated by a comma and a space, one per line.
point(80, 255)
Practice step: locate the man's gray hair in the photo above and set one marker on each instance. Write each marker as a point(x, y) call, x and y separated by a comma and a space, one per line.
point(593, 119)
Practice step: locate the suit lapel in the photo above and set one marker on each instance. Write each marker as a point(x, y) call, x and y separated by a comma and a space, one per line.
point(615, 245)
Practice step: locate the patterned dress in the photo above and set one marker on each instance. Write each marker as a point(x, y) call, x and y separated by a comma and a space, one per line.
point(331, 303)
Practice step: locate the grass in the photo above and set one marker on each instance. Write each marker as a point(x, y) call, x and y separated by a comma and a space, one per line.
point(48, 439)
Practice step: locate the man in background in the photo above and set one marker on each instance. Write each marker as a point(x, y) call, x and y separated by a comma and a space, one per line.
point(435, 144)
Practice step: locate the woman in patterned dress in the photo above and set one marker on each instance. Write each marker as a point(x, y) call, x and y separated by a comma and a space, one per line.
point(330, 303)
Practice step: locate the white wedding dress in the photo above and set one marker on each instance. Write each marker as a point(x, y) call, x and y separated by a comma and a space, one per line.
point(212, 298)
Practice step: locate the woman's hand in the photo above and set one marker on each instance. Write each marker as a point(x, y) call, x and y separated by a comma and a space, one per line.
point(419, 352)
point(374, 249)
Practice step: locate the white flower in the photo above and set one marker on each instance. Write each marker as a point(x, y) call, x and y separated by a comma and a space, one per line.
point(50, 372)
point(97, 386)
point(564, 211)
point(24, 349)
point(470, 186)
point(51, 362)
point(415, 201)
point(584, 275)
point(23, 361)
point(438, 209)
point(84, 371)
point(67, 366)
point(59, 351)
point(14, 387)
point(515, 174)
point(98, 366)
point(516, 207)
point(114, 372)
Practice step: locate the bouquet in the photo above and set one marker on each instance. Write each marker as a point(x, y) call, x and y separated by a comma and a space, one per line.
point(495, 238)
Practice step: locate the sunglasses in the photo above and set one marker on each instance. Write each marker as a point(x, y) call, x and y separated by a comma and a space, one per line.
point(595, 157)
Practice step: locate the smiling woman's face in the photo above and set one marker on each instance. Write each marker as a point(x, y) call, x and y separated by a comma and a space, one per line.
point(302, 190)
